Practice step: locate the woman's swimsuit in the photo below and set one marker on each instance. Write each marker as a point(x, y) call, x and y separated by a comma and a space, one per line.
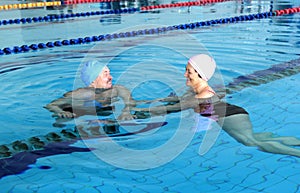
point(211, 110)
point(219, 109)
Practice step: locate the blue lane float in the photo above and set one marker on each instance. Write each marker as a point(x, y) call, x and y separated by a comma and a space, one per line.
point(50, 18)
point(85, 40)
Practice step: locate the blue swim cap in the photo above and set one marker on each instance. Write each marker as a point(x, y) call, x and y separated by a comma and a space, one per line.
point(90, 71)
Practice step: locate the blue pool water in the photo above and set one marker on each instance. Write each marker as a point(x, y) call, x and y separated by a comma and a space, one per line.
point(166, 157)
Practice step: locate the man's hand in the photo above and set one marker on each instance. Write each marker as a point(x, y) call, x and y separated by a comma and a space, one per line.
point(64, 114)
point(126, 116)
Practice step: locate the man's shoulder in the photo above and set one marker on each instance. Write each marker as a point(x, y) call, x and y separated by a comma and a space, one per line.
point(119, 87)
point(80, 92)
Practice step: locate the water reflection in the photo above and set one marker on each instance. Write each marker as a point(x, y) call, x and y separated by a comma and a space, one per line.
point(287, 28)
point(250, 6)
point(282, 4)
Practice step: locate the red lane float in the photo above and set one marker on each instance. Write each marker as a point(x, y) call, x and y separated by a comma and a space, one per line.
point(182, 4)
point(288, 11)
point(179, 4)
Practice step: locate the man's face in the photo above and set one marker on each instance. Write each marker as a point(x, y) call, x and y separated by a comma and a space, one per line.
point(104, 80)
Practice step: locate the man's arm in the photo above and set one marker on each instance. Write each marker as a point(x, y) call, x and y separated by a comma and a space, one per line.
point(129, 102)
point(125, 94)
point(66, 102)
point(57, 107)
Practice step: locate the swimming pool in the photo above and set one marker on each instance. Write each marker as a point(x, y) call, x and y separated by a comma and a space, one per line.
point(33, 79)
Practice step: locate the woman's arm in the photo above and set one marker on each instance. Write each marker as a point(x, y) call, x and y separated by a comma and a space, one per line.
point(186, 102)
point(130, 103)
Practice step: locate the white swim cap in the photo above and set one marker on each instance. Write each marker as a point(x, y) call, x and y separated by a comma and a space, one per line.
point(204, 65)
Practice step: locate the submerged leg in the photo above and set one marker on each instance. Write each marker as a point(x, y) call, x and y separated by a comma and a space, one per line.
point(278, 148)
point(240, 128)
point(267, 136)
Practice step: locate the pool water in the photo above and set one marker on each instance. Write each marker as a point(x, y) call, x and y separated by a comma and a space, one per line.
point(166, 157)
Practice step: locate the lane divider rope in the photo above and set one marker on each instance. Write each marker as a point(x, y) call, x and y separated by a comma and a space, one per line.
point(69, 2)
point(179, 4)
point(29, 5)
point(85, 40)
point(56, 17)
point(50, 18)
point(182, 4)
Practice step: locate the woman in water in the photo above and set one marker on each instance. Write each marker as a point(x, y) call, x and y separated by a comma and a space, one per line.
point(233, 119)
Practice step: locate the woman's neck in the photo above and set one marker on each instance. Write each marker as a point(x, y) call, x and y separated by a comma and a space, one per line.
point(203, 91)
point(199, 88)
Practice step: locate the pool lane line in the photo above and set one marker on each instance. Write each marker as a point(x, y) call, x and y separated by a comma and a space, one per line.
point(23, 161)
point(275, 72)
point(56, 17)
point(19, 162)
point(29, 5)
point(78, 133)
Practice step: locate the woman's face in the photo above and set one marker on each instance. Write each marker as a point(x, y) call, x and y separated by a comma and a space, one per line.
point(191, 75)
point(104, 80)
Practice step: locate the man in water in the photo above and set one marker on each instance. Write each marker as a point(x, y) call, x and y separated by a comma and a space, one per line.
point(94, 99)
